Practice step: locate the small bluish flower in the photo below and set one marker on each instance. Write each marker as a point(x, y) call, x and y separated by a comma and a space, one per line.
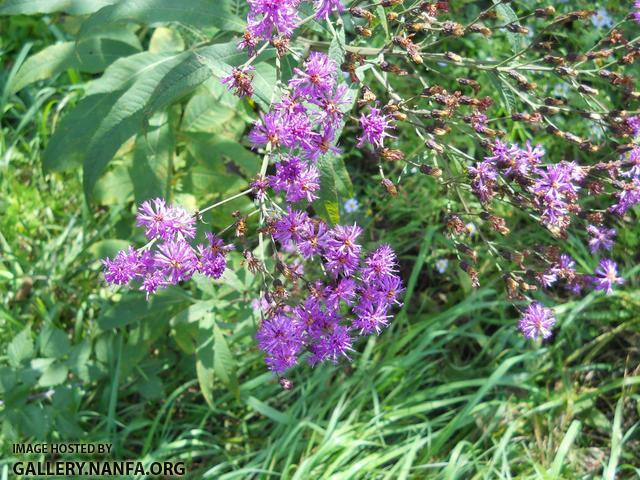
point(441, 265)
point(471, 228)
point(602, 19)
point(352, 205)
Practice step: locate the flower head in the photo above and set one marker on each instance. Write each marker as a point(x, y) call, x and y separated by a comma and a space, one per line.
point(537, 321)
point(601, 238)
point(374, 127)
point(240, 81)
point(606, 276)
point(123, 268)
point(324, 7)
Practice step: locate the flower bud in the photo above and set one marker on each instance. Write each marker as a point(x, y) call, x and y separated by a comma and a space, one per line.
point(433, 171)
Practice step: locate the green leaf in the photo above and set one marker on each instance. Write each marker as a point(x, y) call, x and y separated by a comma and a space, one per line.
point(115, 187)
point(92, 55)
point(108, 248)
point(197, 13)
point(54, 374)
point(335, 187)
point(53, 342)
point(165, 39)
point(73, 7)
point(507, 15)
point(205, 359)
point(135, 308)
point(152, 162)
point(506, 95)
point(224, 365)
point(20, 348)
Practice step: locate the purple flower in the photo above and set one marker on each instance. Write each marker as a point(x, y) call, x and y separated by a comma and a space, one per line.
point(290, 227)
point(269, 130)
point(240, 81)
point(627, 197)
point(321, 143)
point(483, 177)
point(636, 14)
point(345, 290)
point(564, 268)
point(324, 8)
point(606, 276)
point(389, 289)
point(332, 105)
point(342, 252)
point(632, 160)
point(634, 122)
point(332, 345)
point(479, 122)
point(176, 259)
point(152, 281)
point(161, 221)
point(297, 130)
point(370, 318)
point(318, 77)
point(268, 18)
point(123, 268)
point(314, 238)
point(379, 264)
point(537, 321)
point(601, 238)
point(279, 332)
point(554, 182)
point(374, 127)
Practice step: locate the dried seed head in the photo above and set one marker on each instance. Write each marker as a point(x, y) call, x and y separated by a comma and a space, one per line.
point(391, 154)
point(480, 28)
point(389, 186)
point(363, 31)
point(432, 171)
point(285, 383)
point(452, 28)
point(545, 12)
point(362, 13)
point(433, 145)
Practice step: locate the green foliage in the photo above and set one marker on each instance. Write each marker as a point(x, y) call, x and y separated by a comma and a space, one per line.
point(132, 95)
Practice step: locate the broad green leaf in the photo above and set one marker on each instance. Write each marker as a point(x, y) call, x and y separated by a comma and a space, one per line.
point(73, 7)
point(108, 248)
point(197, 13)
point(223, 363)
point(506, 95)
point(205, 359)
point(335, 187)
point(166, 39)
point(134, 308)
point(152, 161)
point(53, 342)
point(115, 187)
point(54, 374)
point(91, 55)
point(20, 348)
point(507, 15)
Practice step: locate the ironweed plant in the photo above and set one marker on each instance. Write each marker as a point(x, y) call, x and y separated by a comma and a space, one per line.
point(322, 290)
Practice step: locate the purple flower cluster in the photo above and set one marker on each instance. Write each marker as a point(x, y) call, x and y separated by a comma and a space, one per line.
point(270, 19)
point(306, 119)
point(355, 299)
point(173, 260)
point(636, 13)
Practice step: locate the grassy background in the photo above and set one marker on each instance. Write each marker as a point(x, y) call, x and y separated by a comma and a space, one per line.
point(450, 390)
